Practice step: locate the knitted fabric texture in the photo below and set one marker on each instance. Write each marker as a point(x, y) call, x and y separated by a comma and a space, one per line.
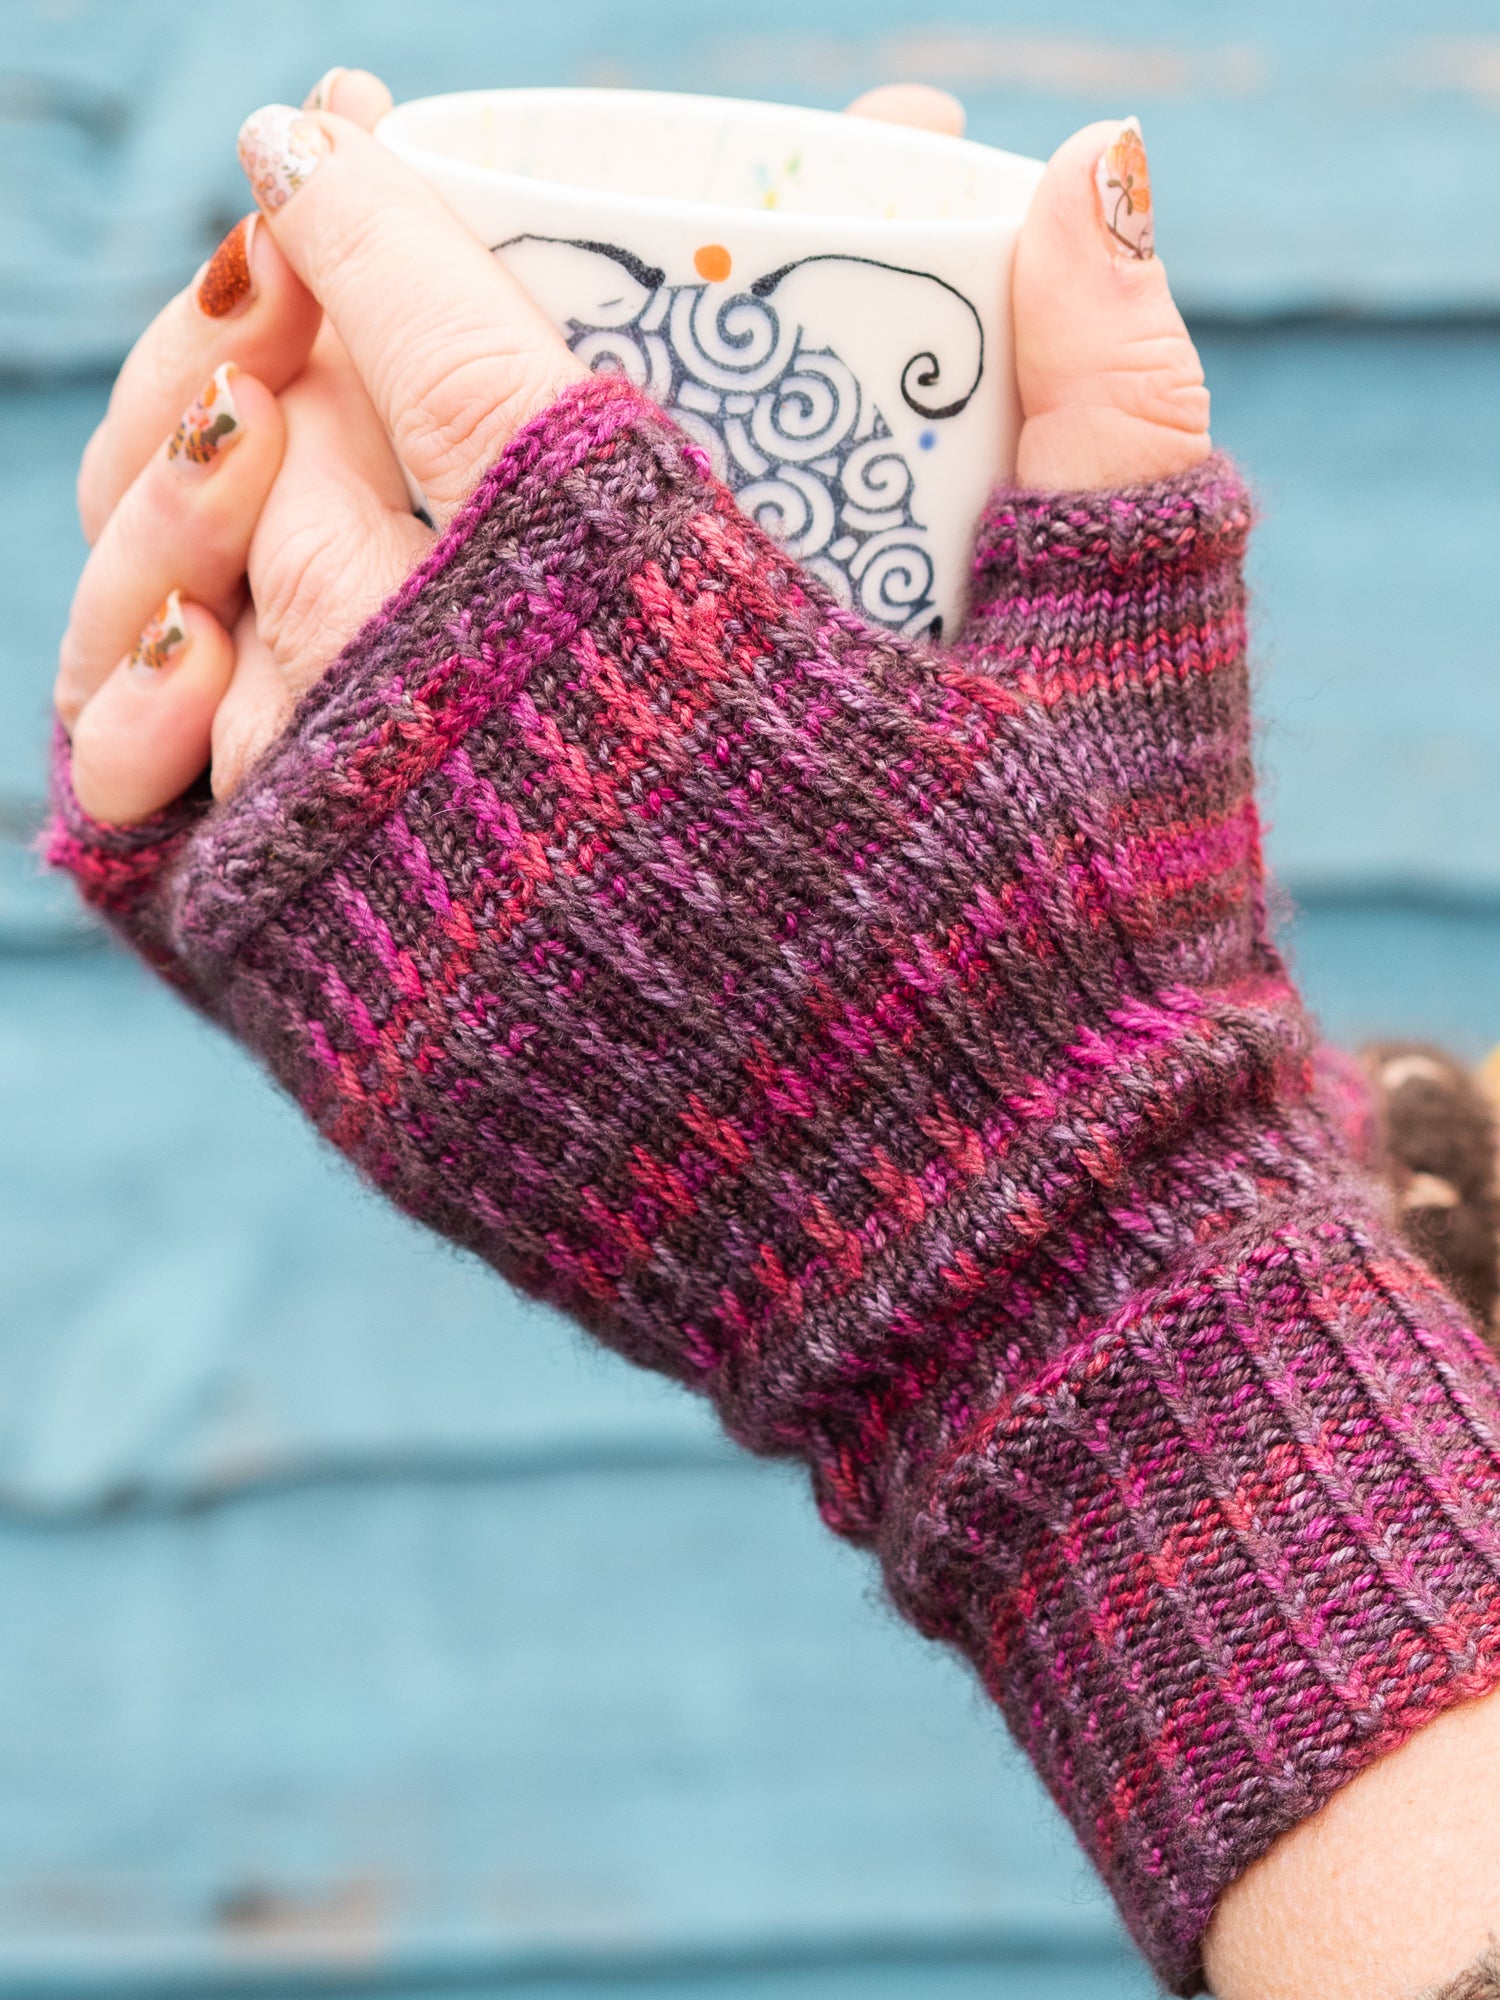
point(887, 1043)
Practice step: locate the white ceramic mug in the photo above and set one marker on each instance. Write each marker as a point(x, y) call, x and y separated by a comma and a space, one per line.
point(822, 302)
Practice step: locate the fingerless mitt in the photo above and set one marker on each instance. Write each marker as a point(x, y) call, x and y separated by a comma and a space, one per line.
point(887, 1043)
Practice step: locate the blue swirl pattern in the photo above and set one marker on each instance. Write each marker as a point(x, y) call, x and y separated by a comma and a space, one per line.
point(790, 431)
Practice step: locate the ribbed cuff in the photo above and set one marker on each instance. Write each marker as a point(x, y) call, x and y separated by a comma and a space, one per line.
point(114, 866)
point(1195, 520)
point(1227, 1549)
point(121, 871)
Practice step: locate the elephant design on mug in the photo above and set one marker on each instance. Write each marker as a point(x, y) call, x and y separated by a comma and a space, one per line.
point(828, 449)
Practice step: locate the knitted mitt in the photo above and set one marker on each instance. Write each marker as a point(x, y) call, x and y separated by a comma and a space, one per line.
point(887, 1044)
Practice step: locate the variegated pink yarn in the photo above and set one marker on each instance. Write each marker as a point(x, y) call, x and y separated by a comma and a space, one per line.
point(888, 1044)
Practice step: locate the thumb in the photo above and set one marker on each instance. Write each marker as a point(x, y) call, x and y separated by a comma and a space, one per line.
point(1111, 385)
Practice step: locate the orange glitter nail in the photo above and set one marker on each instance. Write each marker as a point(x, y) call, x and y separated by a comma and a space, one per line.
point(226, 285)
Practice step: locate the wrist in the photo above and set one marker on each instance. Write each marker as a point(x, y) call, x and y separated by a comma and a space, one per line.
point(1388, 1891)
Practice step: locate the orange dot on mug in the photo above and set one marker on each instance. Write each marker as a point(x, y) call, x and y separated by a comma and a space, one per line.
point(711, 261)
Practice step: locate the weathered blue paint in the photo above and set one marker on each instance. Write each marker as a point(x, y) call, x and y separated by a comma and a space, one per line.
point(359, 1617)
point(1309, 157)
point(356, 1614)
point(364, 1631)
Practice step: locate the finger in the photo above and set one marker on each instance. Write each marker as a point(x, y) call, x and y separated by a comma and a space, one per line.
point(334, 539)
point(247, 306)
point(256, 707)
point(185, 524)
point(337, 534)
point(917, 104)
point(453, 353)
point(1111, 386)
point(144, 736)
point(353, 93)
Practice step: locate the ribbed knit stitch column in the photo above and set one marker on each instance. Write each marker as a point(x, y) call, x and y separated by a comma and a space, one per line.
point(888, 1044)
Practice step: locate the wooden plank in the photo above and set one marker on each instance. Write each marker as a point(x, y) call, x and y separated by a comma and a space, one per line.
point(426, 1728)
point(1328, 157)
point(233, 1308)
point(866, 1978)
point(1372, 450)
point(1374, 970)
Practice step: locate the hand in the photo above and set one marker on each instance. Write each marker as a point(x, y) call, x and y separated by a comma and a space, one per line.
point(213, 675)
point(1111, 386)
point(426, 339)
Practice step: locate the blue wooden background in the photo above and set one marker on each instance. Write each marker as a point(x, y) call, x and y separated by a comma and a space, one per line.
point(362, 1631)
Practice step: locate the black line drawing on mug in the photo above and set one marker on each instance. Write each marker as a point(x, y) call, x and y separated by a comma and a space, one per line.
point(793, 427)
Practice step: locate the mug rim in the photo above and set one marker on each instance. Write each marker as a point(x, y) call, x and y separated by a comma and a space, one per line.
point(434, 162)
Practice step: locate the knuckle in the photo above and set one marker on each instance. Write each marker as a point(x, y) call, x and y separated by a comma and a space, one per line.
point(454, 378)
point(448, 423)
point(1172, 398)
point(299, 583)
point(173, 353)
point(1160, 379)
point(159, 512)
point(161, 373)
point(238, 736)
point(148, 534)
point(463, 410)
point(69, 691)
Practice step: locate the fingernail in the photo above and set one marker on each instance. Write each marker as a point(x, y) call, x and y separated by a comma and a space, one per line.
point(225, 286)
point(163, 637)
point(211, 423)
point(280, 151)
point(1124, 182)
point(320, 97)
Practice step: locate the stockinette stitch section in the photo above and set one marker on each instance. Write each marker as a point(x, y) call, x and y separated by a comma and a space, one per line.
point(888, 1044)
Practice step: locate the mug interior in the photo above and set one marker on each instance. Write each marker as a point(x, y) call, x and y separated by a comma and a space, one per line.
point(720, 152)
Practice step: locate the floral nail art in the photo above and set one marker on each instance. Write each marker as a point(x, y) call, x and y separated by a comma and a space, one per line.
point(211, 424)
point(280, 150)
point(162, 637)
point(1124, 182)
point(226, 285)
point(320, 97)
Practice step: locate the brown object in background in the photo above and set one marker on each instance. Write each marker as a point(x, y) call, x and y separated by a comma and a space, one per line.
point(1438, 1139)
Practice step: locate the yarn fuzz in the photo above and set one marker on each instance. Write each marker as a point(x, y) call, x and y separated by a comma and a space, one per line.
point(887, 1043)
